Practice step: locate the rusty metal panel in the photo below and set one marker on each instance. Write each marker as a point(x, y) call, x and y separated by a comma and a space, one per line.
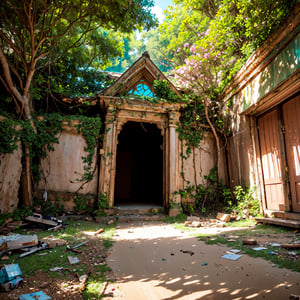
point(271, 159)
point(291, 117)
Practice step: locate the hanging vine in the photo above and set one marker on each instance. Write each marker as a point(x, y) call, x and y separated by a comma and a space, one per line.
point(49, 126)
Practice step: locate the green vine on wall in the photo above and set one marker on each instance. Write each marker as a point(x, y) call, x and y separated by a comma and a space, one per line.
point(48, 128)
point(9, 136)
point(90, 129)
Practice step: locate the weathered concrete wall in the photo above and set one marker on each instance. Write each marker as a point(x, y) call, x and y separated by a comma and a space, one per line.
point(241, 154)
point(199, 162)
point(264, 82)
point(282, 66)
point(61, 169)
point(10, 174)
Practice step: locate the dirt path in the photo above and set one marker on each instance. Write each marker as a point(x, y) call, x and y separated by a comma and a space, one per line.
point(148, 263)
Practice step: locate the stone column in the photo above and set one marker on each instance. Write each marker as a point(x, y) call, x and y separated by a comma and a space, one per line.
point(174, 171)
point(107, 169)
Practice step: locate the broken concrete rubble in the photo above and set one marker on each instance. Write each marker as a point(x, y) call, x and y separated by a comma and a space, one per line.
point(38, 220)
point(223, 217)
point(16, 241)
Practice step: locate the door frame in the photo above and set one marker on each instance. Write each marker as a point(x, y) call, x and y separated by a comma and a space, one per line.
point(284, 162)
point(166, 117)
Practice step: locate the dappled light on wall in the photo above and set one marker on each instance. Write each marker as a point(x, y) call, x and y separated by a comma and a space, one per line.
point(296, 156)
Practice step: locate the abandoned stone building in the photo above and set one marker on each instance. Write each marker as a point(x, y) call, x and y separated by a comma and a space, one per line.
point(140, 157)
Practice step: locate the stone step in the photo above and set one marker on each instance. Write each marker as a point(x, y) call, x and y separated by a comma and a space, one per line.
point(280, 222)
point(125, 211)
point(140, 218)
point(286, 215)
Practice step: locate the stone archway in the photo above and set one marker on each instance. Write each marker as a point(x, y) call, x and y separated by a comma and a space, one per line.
point(139, 165)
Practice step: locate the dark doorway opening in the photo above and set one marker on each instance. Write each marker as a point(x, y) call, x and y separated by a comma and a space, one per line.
point(139, 166)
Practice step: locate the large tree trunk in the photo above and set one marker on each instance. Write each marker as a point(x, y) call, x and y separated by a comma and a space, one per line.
point(27, 172)
point(213, 129)
point(26, 183)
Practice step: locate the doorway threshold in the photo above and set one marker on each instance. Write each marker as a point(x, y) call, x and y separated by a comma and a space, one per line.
point(135, 206)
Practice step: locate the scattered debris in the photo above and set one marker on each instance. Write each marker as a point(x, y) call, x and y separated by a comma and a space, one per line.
point(193, 219)
point(271, 253)
point(73, 260)
point(231, 256)
point(52, 243)
point(56, 269)
point(38, 219)
point(10, 277)
point(290, 246)
point(164, 259)
point(235, 251)
point(37, 295)
point(204, 264)
point(275, 245)
point(223, 217)
point(17, 241)
point(187, 251)
point(249, 242)
point(77, 246)
point(99, 231)
point(39, 247)
point(10, 225)
point(295, 297)
point(259, 248)
point(111, 221)
point(82, 280)
point(195, 224)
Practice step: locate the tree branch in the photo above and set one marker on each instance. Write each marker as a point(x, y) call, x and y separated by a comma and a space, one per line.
point(7, 76)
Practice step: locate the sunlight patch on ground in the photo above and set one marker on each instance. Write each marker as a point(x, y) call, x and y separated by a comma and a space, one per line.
point(173, 280)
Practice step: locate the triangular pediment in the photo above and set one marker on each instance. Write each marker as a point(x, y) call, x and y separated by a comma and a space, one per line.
point(139, 76)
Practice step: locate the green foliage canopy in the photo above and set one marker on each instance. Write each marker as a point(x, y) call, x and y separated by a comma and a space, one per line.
point(71, 35)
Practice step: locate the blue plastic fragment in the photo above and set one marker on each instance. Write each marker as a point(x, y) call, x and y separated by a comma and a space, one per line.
point(204, 264)
point(37, 295)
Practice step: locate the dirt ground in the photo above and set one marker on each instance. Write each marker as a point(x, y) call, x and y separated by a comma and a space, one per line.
point(155, 261)
point(66, 286)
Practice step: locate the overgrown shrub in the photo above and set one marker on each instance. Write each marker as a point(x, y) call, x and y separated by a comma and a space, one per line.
point(245, 200)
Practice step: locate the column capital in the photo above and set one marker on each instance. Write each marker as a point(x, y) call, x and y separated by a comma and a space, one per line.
point(173, 118)
point(110, 116)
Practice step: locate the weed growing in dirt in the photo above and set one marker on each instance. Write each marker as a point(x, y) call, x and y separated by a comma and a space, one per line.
point(241, 223)
point(178, 219)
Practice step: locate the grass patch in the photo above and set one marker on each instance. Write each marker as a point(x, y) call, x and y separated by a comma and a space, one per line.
point(178, 219)
point(74, 233)
point(241, 223)
point(281, 258)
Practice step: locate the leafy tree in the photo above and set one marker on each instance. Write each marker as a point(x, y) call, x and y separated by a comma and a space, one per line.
point(233, 30)
point(181, 26)
point(34, 32)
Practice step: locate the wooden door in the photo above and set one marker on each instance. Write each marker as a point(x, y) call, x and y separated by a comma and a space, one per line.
point(268, 128)
point(291, 118)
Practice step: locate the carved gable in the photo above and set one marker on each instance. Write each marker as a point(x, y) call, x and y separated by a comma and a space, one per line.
point(138, 79)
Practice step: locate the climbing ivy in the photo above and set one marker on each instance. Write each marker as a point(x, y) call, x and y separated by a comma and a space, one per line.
point(48, 128)
point(90, 129)
point(192, 126)
point(163, 91)
point(9, 136)
point(208, 197)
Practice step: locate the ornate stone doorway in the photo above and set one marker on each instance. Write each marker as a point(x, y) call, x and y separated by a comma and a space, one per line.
point(128, 111)
point(139, 165)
